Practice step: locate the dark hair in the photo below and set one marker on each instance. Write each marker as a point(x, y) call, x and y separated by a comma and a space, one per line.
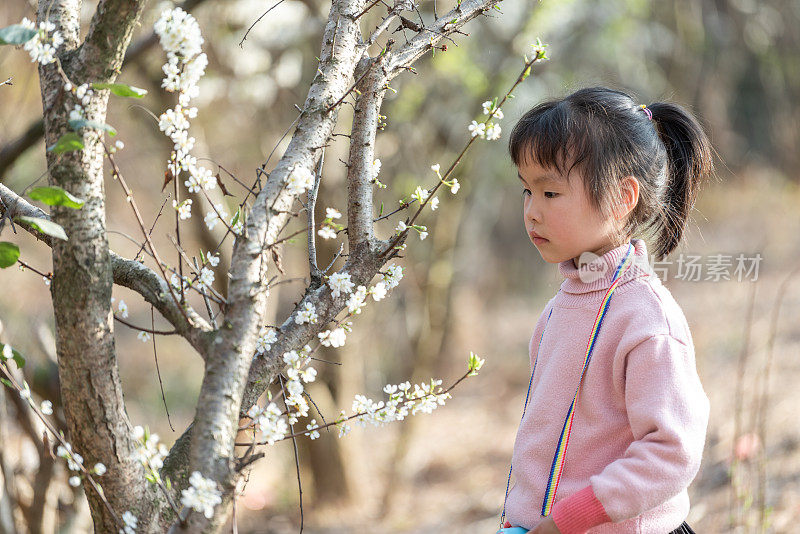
point(608, 136)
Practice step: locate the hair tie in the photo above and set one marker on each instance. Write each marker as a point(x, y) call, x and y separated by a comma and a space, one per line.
point(649, 113)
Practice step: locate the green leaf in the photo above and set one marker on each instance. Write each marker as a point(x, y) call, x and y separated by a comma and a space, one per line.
point(55, 196)
point(66, 143)
point(9, 254)
point(16, 35)
point(77, 124)
point(120, 89)
point(236, 217)
point(15, 355)
point(45, 226)
point(6, 382)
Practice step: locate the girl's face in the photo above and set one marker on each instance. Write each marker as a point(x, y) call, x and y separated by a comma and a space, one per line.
point(559, 211)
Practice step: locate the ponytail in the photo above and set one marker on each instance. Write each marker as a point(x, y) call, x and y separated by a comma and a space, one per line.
point(689, 163)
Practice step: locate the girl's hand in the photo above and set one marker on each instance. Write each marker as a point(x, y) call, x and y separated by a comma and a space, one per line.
point(547, 526)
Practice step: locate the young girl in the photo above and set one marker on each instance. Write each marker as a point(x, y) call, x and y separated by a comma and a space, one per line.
point(615, 418)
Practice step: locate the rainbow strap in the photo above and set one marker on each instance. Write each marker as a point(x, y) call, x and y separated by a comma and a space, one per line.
point(563, 440)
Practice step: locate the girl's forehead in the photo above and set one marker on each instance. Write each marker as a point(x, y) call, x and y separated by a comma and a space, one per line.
point(532, 173)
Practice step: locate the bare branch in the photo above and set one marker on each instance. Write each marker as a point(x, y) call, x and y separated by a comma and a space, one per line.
point(127, 273)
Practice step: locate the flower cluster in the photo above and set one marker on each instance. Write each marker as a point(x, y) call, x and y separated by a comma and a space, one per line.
point(299, 179)
point(337, 336)
point(43, 46)
point(266, 337)
point(402, 401)
point(307, 314)
point(180, 37)
point(202, 495)
point(329, 228)
point(218, 213)
point(270, 420)
point(340, 283)
point(150, 453)
point(487, 130)
point(357, 300)
point(130, 523)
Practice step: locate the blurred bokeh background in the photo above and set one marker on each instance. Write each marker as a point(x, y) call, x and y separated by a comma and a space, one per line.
point(476, 283)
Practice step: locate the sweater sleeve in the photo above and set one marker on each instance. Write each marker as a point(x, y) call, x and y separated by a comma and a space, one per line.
point(668, 412)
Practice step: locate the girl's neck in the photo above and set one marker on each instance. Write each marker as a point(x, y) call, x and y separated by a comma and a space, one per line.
point(599, 252)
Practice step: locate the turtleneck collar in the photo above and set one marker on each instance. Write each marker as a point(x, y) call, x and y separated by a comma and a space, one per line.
point(589, 284)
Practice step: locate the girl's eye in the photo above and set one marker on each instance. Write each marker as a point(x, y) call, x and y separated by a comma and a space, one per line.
point(550, 193)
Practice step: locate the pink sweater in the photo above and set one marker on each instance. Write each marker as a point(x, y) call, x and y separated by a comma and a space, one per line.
point(640, 419)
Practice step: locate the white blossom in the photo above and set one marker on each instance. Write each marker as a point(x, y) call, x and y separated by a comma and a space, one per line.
point(493, 132)
point(376, 167)
point(477, 129)
point(179, 33)
point(455, 186)
point(332, 213)
point(213, 259)
point(307, 314)
point(435, 168)
point(393, 276)
point(212, 218)
point(74, 481)
point(308, 375)
point(291, 357)
point(42, 47)
point(202, 495)
point(271, 424)
point(299, 180)
point(420, 194)
point(150, 453)
point(123, 309)
point(340, 283)
point(401, 227)
point(326, 232)
point(313, 434)
point(266, 337)
point(434, 203)
point(489, 109)
point(184, 208)
point(332, 338)
point(47, 407)
point(99, 469)
point(206, 278)
point(130, 523)
point(356, 300)
point(378, 291)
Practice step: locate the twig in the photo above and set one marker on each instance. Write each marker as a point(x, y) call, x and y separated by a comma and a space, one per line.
point(296, 459)
point(158, 371)
point(159, 263)
point(142, 329)
point(257, 21)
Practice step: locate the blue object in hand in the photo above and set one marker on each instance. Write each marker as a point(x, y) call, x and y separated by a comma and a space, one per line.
point(512, 530)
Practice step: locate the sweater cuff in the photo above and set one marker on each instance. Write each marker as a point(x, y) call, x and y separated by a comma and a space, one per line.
point(579, 512)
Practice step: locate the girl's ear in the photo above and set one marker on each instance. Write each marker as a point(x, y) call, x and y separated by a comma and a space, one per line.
point(628, 196)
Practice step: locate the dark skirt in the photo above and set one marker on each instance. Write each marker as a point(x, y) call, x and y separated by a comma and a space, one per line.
point(683, 529)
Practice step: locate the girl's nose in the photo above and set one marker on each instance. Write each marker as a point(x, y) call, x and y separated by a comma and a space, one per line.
point(532, 212)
